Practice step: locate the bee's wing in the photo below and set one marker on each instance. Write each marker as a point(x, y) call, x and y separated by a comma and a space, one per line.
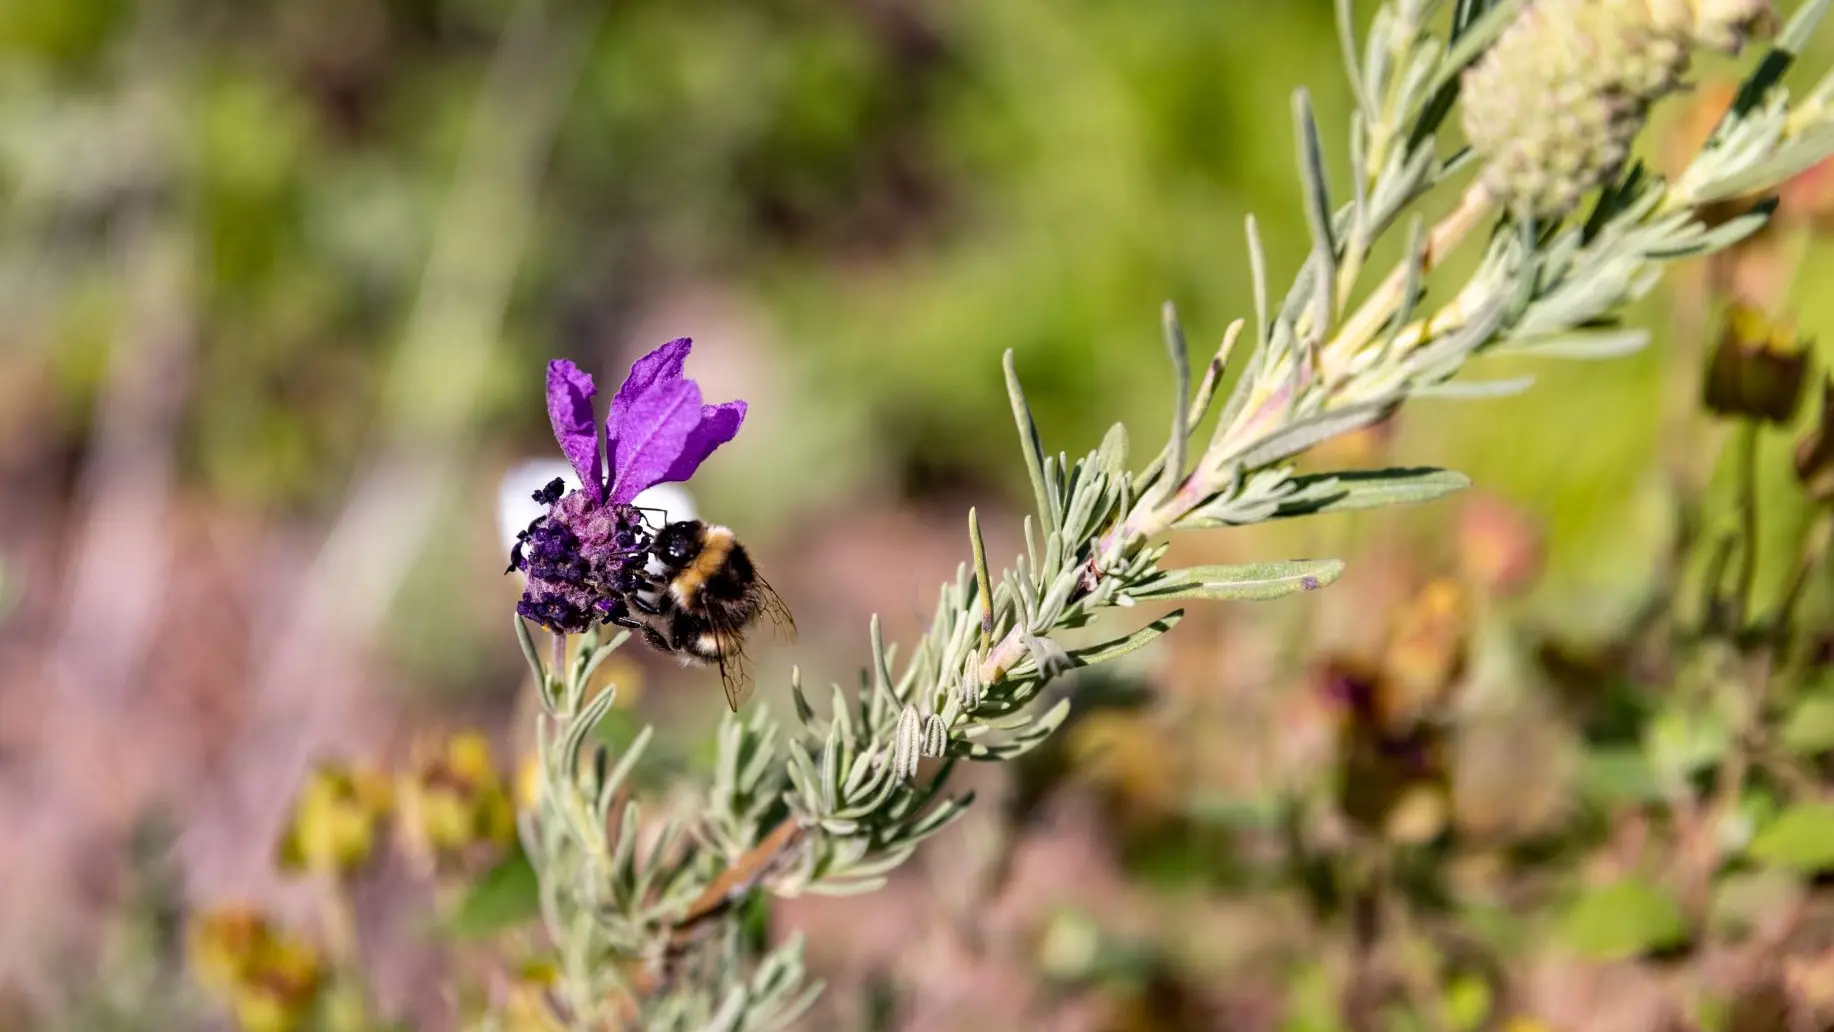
point(772, 605)
point(735, 666)
point(735, 669)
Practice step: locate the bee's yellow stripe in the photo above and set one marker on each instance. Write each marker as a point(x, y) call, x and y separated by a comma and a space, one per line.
point(716, 545)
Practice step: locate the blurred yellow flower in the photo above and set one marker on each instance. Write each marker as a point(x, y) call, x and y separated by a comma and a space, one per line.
point(267, 978)
point(528, 1006)
point(454, 800)
point(335, 820)
point(221, 942)
point(528, 782)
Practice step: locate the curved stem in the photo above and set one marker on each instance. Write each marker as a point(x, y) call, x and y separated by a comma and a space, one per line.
point(1748, 521)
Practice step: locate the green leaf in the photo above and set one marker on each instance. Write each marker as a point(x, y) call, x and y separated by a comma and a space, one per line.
point(507, 895)
point(1470, 389)
point(1583, 345)
point(1368, 489)
point(1469, 1001)
point(1809, 728)
point(1801, 27)
point(1108, 650)
point(1317, 209)
point(1678, 743)
point(1029, 442)
point(1769, 72)
point(1624, 920)
point(1618, 776)
point(1800, 839)
point(1305, 433)
point(1255, 582)
point(1181, 385)
point(527, 641)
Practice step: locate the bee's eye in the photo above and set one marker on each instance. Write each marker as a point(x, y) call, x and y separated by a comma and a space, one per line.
point(677, 549)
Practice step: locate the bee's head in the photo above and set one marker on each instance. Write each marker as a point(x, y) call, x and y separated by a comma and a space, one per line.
point(678, 543)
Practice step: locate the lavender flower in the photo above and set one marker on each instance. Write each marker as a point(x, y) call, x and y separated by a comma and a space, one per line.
point(588, 552)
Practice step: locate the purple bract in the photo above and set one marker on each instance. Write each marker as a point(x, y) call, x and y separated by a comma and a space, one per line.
point(588, 552)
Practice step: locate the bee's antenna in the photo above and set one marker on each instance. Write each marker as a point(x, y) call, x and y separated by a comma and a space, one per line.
point(650, 508)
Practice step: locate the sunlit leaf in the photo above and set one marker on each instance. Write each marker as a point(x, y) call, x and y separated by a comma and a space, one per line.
point(1615, 776)
point(1809, 727)
point(1256, 582)
point(1368, 489)
point(1800, 839)
point(1622, 920)
point(507, 895)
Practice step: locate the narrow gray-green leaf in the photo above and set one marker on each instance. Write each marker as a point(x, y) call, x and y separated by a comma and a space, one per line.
point(1366, 489)
point(1257, 271)
point(1801, 27)
point(1247, 582)
point(1584, 345)
point(1473, 389)
point(1318, 218)
point(1731, 231)
point(1108, 650)
point(1180, 355)
point(1029, 442)
point(1299, 436)
point(1346, 41)
point(599, 653)
point(804, 711)
point(1798, 154)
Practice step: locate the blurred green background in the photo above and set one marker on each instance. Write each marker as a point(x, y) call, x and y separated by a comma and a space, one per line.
point(279, 281)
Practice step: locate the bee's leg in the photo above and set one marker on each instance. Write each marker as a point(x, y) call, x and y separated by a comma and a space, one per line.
point(642, 606)
point(656, 639)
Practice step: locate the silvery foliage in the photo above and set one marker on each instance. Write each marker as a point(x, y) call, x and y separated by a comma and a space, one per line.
point(648, 923)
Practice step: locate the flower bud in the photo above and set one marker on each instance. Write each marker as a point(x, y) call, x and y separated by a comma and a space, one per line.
point(1815, 453)
point(455, 801)
point(1556, 102)
point(1757, 368)
point(335, 820)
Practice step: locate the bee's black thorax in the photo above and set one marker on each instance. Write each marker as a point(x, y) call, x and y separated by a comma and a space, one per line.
point(707, 571)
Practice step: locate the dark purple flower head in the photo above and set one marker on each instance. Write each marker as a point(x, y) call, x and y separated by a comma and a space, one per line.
point(587, 553)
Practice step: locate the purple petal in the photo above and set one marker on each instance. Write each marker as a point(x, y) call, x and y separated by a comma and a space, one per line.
point(718, 424)
point(570, 393)
point(649, 373)
point(652, 428)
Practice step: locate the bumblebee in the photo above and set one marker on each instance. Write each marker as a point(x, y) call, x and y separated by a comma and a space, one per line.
point(702, 596)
